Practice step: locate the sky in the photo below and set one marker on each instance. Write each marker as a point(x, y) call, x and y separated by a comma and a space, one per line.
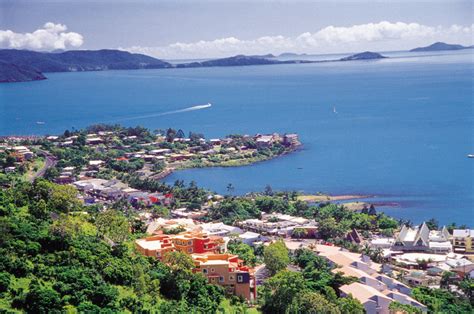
point(190, 29)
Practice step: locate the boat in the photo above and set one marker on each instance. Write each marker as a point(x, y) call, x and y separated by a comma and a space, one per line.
point(470, 156)
point(40, 122)
point(334, 109)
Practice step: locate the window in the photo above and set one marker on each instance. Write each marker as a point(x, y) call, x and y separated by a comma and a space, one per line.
point(240, 278)
point(231, 277)
point(190, 243)
point(212, 270)
point(221, 279)
point(190, 250)
point(204, 271)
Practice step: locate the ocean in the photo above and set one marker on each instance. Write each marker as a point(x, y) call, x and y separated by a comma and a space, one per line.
point(398, 129)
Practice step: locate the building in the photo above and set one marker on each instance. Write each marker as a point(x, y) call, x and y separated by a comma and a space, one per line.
point(290, 140)
point(373, 289)
point(279, 224)
point(421, 239)
point(228, 271)
point(462, 240)
point(187, 242)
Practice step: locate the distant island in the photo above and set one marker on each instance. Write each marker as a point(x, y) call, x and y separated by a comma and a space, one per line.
point(440, 46)
point(367, 55)
point(25, 65)
point(292, 55)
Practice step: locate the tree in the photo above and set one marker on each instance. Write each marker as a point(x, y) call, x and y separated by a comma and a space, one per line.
point(276, 257)
point(178, 261)
point(113, 225)
point(299, 232)
point(281, 292)
point(230, 188)
point(432, 224)
point(315, 303)
point(42, 299)
point(372, 211)
point(349, 305)
point(268, 190)
point(244, 251)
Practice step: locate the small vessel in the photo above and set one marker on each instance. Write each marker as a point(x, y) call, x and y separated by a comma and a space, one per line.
point(334, 109)
point(40, 122)
point(470, 156)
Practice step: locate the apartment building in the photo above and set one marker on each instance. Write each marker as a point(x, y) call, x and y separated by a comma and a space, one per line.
point(228, 271)
point(463, 240)
point(186, 242)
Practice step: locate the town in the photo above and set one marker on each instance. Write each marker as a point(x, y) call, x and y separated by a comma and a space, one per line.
point(252, 245)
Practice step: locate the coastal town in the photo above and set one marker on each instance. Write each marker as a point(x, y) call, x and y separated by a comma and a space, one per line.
point(112, 174)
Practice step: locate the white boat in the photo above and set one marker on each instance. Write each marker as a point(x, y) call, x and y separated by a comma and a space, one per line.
point(334, 109)
point(470, 156)
point(40, 122)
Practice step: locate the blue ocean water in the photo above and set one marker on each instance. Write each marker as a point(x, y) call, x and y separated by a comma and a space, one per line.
point(402, 131)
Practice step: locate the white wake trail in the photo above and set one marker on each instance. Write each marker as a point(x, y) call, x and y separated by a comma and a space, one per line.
point(152, 115)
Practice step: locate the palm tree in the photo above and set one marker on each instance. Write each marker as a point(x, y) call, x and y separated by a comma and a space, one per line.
point(230, 188)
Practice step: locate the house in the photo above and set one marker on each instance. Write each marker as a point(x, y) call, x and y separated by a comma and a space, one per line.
point(9, 169)
point(264, 141)
point(94, 140)
point(462, 240)
point(95, 164)
point(229, 271)
point(159, 225)
point(290, 139)
point(374, 301)
point(220, 229)
point(250, 238)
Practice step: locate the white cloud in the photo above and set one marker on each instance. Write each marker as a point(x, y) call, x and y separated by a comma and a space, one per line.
point(51, 36)
point(380, 36)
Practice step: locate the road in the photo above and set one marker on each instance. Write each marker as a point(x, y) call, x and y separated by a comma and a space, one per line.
point(49, 162)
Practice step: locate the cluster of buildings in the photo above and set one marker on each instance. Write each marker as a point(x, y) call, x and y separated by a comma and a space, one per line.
point(208, 253)
point(96, 190)
point(373, 288)
point(280, 225)
point(20, 154)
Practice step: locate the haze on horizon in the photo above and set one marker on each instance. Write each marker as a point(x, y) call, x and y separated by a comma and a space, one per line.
point(188, 29)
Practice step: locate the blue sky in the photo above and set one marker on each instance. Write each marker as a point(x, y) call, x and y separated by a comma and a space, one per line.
point(186, 29)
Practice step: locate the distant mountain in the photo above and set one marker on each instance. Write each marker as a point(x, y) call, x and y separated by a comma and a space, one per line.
point(239, 60)
point(440, 46)
point(81, 60)
point(10, 73)
point(367, 55)
point(77, 60)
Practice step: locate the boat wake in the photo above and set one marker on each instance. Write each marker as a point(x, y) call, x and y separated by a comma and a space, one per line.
point(152, 115)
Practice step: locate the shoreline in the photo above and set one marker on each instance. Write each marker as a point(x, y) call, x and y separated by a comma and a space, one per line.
point(227, 164)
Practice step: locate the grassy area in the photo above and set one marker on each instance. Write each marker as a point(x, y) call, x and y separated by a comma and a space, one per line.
point(33, 167)
point(227, 308)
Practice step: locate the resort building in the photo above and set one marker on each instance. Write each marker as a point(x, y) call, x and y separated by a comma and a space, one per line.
point(421, 239)
point(186, 242)
point(279, 224)
point(228, 271)
point(373, 289)
point(463, 240)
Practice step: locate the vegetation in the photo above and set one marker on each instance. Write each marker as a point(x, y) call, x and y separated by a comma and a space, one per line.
point(311, 291)
point(56, 256)
point(275, 257)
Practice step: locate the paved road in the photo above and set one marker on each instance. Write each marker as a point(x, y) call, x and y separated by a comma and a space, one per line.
point(50, 161)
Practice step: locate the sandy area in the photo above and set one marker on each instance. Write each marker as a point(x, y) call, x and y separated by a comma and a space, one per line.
point(326, 198)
